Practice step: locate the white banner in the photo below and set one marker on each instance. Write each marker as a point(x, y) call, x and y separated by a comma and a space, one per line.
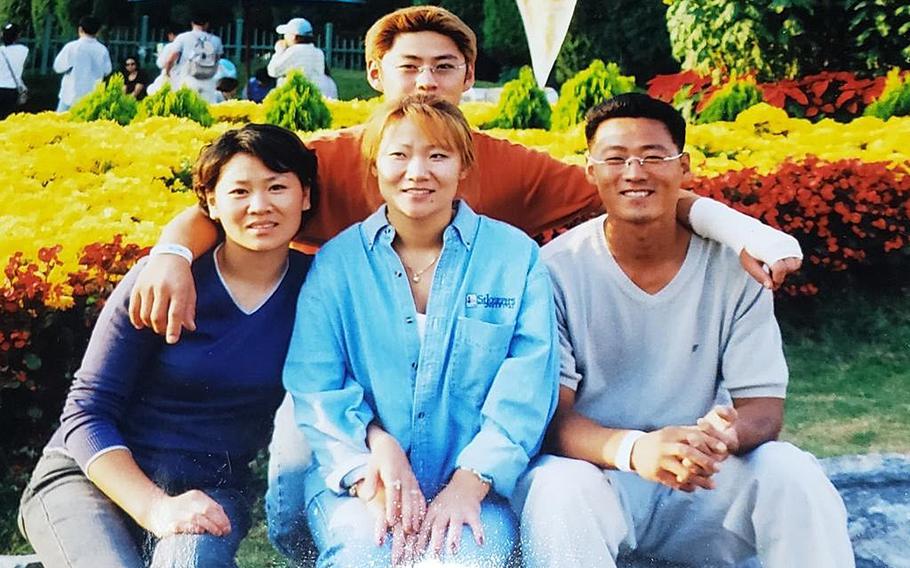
point(546, 23)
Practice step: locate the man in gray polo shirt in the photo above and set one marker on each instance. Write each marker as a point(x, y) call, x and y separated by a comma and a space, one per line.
point(660, 332)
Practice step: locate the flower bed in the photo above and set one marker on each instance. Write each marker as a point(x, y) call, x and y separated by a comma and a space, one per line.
point(839, 95)
point(842, 189)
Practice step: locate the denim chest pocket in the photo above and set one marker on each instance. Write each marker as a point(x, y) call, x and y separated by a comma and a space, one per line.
point(479, 348)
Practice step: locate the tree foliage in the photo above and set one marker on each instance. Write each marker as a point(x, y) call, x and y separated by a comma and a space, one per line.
point(739, 37)
point(631, 33)
point(504, 34)
point(18, 11)
point(881, 32)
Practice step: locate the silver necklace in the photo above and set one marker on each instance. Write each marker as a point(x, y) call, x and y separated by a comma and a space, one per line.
point(416, 274)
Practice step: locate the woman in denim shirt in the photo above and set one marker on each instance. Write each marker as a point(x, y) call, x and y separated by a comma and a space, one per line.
point(423, 362)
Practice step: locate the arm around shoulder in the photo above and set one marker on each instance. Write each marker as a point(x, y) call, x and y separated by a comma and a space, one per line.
point(164, 297)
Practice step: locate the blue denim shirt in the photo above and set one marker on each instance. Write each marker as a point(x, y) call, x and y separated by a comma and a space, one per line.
point(477, 393)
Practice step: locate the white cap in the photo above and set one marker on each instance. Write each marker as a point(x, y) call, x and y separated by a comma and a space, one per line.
point(297, 26)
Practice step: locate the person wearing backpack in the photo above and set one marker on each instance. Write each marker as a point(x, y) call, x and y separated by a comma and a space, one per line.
point(193, 61)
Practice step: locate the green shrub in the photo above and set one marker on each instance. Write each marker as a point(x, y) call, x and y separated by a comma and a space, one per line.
point(183, 103)
point(297, 105)
point(895, 98)
point(587, 89)
point(731, 99)
point(522, 104)
point(107, 101)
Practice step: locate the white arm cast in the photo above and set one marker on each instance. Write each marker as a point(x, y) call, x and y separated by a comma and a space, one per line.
point(714, 220)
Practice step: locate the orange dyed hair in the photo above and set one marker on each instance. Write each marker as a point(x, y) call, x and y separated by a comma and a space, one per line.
point(441, 121)
point(382, 34)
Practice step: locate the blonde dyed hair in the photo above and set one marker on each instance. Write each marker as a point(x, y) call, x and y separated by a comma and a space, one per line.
point(381, 35)
point(439, 120)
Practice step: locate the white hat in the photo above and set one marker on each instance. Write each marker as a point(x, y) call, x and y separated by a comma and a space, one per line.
point(297, 26)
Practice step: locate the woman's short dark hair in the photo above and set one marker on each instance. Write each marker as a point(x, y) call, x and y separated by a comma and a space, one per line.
point(10, 33)
point(637, 105)
point(279, 149)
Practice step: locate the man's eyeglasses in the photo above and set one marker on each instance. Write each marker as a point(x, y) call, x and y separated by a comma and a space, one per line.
point(439, 70)
point(624, 162)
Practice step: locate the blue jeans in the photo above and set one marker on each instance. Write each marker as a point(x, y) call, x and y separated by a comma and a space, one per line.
point(343, 531)
point(340, 527)
point(71, 523)
point(290, 459)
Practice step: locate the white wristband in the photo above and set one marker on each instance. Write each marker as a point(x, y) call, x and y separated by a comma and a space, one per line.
point(172, 248)
point(713, 220)
point(623, 459)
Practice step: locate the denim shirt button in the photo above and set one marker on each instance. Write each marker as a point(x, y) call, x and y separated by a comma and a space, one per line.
point(421, 415)
point(409, 319)
point(398, 274)
point(414, 365)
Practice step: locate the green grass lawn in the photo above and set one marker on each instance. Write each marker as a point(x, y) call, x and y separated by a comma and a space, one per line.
point(849, 360)
point(849, 375)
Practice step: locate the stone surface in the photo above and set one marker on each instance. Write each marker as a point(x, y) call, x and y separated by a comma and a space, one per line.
point(875, 489)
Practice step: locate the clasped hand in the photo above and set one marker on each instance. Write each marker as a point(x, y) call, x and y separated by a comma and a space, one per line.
point(687, 457)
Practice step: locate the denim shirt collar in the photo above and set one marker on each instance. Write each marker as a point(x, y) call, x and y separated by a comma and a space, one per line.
point(463, 225)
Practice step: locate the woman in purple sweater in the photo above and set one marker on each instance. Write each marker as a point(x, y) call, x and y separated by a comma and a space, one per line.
point(150, 464)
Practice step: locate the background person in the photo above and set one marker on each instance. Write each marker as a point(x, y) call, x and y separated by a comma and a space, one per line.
point(656, 326)
point(165, 50)
point(82, 62)
point(259, 86)
point(296, 51)
point(403, 395)
point(226, 80)
point(150, 463)
point(12, 62)
point(134, 79)
point(193, 60)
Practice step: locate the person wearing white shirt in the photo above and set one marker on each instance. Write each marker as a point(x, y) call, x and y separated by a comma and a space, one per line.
point(12, 61)
point(164, 54)
point(296, 51)
point(82, 62)
point(178, 66)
